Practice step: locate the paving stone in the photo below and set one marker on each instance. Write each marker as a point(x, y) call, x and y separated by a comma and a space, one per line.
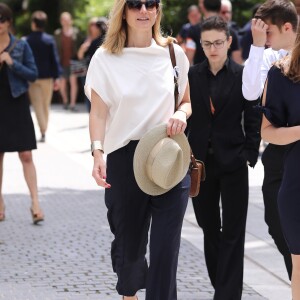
point(68, 256)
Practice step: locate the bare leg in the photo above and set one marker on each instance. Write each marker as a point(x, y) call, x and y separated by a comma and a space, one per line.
point(63, 90)
point(130, 298)
point(74, 90)
point(296, 277)
point(1, 178)
point(30, 178)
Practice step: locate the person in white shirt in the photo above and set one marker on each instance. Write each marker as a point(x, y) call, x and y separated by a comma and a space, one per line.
point(275, 26)
point(130, 83)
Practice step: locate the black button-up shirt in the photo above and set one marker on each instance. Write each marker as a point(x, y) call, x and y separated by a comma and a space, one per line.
point(215, 84)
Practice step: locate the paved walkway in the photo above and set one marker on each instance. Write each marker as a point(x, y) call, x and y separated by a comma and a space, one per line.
point(68, 257)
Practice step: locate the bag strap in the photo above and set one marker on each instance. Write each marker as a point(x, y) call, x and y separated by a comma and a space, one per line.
point(193, 159)
point(175, 72)
point(176, 92)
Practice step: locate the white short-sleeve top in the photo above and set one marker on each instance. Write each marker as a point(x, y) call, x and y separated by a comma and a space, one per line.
point(138, 88)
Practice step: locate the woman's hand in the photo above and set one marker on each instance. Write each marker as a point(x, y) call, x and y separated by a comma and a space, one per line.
point(99, 170)
point(83, 48)
point(5, 57)
point(177, 123)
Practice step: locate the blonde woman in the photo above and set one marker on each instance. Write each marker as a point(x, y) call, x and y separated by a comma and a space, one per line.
point(130, 83)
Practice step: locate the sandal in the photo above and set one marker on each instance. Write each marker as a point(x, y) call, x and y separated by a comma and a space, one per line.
point(2, 216)
point(37, 217)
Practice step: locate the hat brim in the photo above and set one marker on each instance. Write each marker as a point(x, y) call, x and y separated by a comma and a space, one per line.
point(142, 151)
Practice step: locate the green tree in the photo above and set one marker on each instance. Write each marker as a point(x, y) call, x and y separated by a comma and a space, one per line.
point(92, 8)
point(175, 12)
point(175, 15)
point(242, 10)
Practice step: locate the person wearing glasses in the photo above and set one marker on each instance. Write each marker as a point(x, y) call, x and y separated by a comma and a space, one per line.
point(193, 47)
point(223, 131)
point(17, 68)
point(130, 82)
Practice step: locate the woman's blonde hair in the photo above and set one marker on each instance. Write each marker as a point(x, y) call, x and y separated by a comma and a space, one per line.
point(290, 65)
point(116, 36)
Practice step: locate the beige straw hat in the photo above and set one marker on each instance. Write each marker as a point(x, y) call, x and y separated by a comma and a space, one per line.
point(160, 162)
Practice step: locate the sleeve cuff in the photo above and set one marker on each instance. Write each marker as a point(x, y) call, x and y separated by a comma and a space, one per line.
point(256, 52)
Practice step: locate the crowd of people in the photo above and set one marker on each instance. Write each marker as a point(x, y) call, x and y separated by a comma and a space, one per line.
point(31, 68)
point(229, 88)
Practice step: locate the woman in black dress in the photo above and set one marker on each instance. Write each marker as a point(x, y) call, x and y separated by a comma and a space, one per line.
point(17, 67)
point(281, 126)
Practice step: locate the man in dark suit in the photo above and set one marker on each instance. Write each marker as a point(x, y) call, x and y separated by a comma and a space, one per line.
point(223, 132)
point(49, 70)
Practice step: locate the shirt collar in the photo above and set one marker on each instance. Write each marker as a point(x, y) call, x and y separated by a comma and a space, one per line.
point(225, 67)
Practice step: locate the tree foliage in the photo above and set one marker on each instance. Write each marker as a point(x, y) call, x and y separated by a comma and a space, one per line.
point(175, 12)
point(175, 15)
point(93, 8)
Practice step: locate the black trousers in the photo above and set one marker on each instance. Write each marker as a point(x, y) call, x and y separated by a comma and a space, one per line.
point(130, 212)
point(224, 230)
point(272, 160)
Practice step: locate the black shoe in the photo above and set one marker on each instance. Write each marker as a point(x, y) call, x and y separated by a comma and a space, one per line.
point(66, 106)
point(73, 109)
point(42, 139)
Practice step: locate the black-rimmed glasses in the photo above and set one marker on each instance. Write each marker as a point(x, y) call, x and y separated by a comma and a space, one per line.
point(137, 5)
point(218, 44)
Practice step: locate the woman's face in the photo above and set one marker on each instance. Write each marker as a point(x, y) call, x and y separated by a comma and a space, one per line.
point(94, 30)
point(4, 26)
point(66, 20)
point(140, 15)
point(215, 45)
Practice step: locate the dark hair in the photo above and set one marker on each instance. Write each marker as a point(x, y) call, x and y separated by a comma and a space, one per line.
point(39, 18)
point(212, 5)
point(215, 23)
point(278, 12)
point(101, 23)
point(5, 13)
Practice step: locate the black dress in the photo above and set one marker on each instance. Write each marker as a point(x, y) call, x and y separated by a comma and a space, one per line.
point(283, 110)
point(16, 126)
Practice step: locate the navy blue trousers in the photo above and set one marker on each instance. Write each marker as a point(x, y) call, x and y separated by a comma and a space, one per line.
point(130, 213)
point(272, 160)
